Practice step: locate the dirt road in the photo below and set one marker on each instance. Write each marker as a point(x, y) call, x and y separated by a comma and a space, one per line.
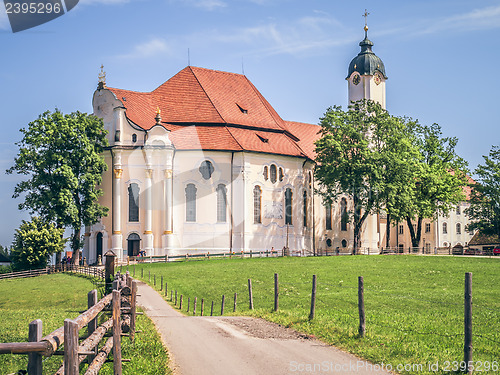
point(239, 345)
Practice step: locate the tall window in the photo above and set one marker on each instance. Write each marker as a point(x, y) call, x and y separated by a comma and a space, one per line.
point(282, 175)
point(305, 208)
point(459, 228)
point(328, 216)
point(266, 173)
point(445, 228)
point(257, 205)
point(288, 206)
point(343, 214)
point(221, 203)
point(273, 173)
point(133, 202)
point(401, 229)
point(427, 227)
point(190, 202)
point(458, 210)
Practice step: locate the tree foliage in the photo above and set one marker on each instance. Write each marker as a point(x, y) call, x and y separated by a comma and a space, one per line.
point(34, 242)
point(361, 154)
point(484, 209)
point(439, 179)
point(61, 155)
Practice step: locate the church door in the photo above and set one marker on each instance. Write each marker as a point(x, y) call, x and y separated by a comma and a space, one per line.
point(99, 245)
point(134, 242)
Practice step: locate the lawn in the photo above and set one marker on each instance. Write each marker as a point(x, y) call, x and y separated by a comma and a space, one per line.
point(53, 298)
point(414, 304)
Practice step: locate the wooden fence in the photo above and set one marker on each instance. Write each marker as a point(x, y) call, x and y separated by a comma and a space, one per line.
point(85, 270)
point(121, 304)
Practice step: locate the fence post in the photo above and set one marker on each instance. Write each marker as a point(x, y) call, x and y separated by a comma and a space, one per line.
point(92, 325)
point(154, 279)
point(250, 293)
point(176, 298)
point(235, 298)
point(142, 273)
point(166, 289)
point(149, 275)
point(222, 305)
point(117, 332)
point(361, 306)
point(276, 292)
point(202, 306)
point(189, 303)
point(171, 294)
point(133, 304)
point(161, 284)
point(468, 321)
point(71, 364)
point(180, 303)
point(313, 299)
point(35, 359)
point(194, 305)
point(212, 309)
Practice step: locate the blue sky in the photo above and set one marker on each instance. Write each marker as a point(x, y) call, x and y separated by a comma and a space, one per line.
point(439, 56)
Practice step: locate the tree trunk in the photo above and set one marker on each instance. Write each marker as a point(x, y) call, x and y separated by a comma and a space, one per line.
point(415, 237)
point(75, 245)
point(388, 232)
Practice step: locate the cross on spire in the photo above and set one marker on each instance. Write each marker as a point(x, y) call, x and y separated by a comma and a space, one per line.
point(366, 24)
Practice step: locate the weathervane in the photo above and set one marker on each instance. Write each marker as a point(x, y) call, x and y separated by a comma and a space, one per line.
point(366, 20)
point(102, 78)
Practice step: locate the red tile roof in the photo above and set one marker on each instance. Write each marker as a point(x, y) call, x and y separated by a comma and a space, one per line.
point(209, 109)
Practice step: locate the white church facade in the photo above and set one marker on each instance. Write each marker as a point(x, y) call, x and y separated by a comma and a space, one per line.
point(203, 163)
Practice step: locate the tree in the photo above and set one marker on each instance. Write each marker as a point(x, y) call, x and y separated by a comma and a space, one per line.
point(484, 209)
point(61, 154)
point(353, 155)
point(34, 242)
point(440, 178)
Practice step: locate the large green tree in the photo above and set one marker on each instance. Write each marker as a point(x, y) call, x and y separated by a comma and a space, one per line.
point(62, 157)
point(484, 209)
point(360, 154)
point(439, 181)
point(34, 242)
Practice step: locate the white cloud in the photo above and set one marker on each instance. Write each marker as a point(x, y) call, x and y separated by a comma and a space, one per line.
point(477, 19)
point(150, 48)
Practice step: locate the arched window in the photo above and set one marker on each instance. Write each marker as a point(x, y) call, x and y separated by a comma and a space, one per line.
point(266, 173)
point(257, 204)
point(133, 202)
point(304, 196)
point(273, 172)
point(458, 210)
point(459, 228)
point(99, 245)
point(343, 214)
point(190, 202)
point(221, 203)
point(344, 243)
point(133, 244)
point(445, 228)
point(288, 206)
point(282, 175)
point(206, 169)
point(328, 209)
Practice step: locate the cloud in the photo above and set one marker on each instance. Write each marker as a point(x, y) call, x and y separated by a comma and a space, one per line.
point(477, 19)
point(150, 48)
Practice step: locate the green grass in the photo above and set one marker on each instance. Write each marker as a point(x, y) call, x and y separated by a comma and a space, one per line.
point(53, 298)
point(414, 304)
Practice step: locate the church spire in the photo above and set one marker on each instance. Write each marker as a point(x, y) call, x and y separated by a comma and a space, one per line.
point(366, 24)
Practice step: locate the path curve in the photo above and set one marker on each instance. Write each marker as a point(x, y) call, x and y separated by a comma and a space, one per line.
point(241, 345)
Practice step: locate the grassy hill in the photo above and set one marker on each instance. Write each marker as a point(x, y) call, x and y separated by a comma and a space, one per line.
point(414, 304)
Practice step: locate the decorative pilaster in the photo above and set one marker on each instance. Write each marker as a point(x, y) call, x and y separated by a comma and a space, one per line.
point(168, 207)
point(148, 217)
point(116, 239)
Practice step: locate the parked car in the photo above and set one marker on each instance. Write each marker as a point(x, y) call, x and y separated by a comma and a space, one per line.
point(472, 252)
point(496, 250)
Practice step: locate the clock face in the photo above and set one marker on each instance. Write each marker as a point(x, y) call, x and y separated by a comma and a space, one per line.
point(356, 79)
point(377, 78)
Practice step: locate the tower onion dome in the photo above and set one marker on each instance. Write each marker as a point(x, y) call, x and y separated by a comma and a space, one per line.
point(366, 63)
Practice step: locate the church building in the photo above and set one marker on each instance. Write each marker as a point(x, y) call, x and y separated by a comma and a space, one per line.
point(203, 163)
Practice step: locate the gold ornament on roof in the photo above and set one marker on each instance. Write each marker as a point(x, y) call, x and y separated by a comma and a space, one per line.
point(366, 14)
point(102, 78)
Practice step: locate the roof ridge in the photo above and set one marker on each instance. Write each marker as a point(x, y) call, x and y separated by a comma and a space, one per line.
point(232, 135)
point(210, 99)
point(265, 104)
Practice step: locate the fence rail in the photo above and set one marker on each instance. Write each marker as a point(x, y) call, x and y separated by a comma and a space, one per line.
point(121, 303)
point(86, 270)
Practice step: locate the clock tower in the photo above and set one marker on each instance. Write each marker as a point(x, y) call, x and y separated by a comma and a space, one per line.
point(366, 77)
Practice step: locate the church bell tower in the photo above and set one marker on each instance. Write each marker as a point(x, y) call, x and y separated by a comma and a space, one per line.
point(366, 77)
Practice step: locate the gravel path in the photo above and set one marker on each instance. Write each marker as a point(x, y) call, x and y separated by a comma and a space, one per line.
point(242, 345)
